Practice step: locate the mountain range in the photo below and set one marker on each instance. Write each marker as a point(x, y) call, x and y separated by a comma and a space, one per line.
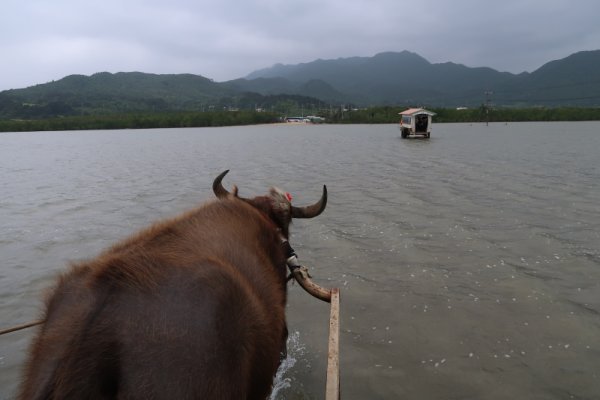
point(391, 78)
point(405, 78)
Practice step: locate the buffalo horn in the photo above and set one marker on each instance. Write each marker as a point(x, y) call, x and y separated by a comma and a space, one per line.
point(218, 188)
point(313, 210)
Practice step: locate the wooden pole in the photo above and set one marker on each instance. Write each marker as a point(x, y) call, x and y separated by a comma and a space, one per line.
point(332, 389)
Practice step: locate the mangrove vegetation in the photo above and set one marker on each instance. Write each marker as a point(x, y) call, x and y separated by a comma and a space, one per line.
point(338, 115)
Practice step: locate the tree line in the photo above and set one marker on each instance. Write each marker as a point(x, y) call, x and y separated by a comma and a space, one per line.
point(388, 115)
point(373, 115)
point(140, 121)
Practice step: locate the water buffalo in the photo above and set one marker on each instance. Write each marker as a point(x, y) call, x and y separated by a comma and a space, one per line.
point(189, 308)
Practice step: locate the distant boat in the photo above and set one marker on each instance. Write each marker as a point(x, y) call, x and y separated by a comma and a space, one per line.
point(298, 120)
point(415, 123)
point(305, 120)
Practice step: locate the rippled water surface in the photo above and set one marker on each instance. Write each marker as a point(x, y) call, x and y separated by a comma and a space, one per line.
point(469, 264)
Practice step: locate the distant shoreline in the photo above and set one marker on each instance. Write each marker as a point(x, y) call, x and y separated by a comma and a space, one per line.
point(376, 115)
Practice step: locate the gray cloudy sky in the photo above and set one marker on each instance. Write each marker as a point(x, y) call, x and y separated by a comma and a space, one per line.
point(44, 40)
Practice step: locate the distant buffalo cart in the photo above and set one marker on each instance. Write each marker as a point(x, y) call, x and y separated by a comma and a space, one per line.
point(415, 123)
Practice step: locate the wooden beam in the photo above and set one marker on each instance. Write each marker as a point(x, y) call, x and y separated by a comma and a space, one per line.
point(332, 389)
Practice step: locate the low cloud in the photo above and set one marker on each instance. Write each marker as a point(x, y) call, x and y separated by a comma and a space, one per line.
point(43, 41)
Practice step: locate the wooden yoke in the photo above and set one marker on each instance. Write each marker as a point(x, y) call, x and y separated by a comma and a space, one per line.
point(302, 276)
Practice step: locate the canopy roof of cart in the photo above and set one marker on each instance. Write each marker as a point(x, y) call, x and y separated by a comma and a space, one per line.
point(416, 111)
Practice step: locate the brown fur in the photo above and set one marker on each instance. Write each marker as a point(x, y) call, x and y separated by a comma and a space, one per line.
point(190, 308)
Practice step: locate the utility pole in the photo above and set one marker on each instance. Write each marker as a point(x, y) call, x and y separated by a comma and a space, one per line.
point(488, 100)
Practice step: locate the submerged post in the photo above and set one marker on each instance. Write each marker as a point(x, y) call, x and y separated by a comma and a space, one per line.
point(332, 389)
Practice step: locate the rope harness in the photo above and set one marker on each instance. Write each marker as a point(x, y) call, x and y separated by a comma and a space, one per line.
point(300, 273)
point(20, 327)
point(291, 259)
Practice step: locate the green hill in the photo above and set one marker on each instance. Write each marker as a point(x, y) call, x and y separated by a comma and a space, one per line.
point(315, 88)
point(105, 93)
point(135, 92)
point(572, 81)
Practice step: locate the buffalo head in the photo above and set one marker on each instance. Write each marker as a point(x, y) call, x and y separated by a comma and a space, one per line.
point(276, 205)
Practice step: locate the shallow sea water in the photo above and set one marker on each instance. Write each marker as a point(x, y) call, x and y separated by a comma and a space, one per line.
point(469, 264)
